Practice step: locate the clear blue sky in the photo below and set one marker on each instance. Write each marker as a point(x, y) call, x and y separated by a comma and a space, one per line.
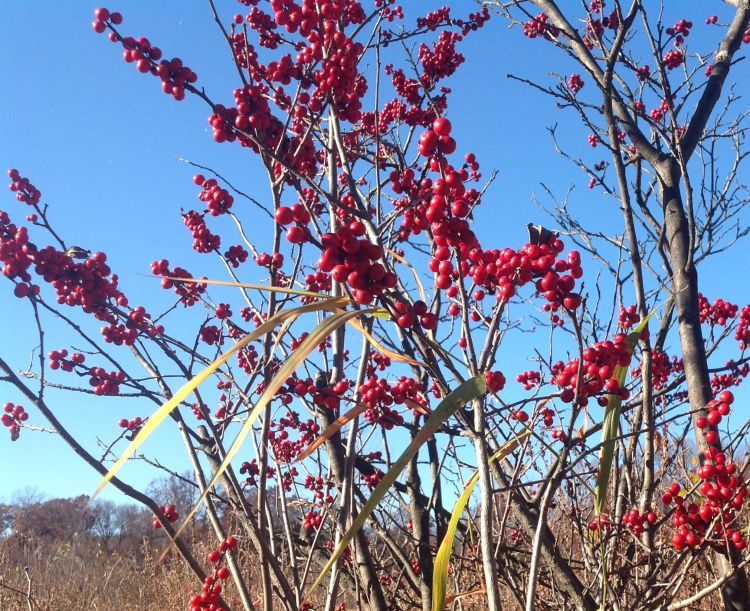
point(101, 140)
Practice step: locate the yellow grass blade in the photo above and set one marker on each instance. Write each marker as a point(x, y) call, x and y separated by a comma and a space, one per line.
point(468, 391)
point(308, 345)
point(382, 349)
point(440, 570)
point(160, 414)
point(611, 424)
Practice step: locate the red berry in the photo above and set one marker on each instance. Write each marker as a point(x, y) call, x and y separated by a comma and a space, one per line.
point(442, 126)
point(214, 556)
point(284, 215)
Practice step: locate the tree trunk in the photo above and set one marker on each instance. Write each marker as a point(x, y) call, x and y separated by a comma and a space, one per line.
point(735, 592)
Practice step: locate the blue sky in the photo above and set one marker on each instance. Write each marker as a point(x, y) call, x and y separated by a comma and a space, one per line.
point(101, 141)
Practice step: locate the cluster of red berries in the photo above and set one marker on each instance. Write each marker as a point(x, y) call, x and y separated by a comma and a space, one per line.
point(169, 512)
point(722, 491)
point(662, 368)
point(14, 254)
point(354, 261)
point(733, 377)
point(742, 333)
point(680, 31)
point(225, 408)
point(284, 448)
point(210, 597)
point(377, 394)
point(251, 113)
point(673, 59)
point(547, 414)
point(628, 317)
point(319, 485)
point(132, 427)
point(716, 410)
point(657, 114)
point(252, 470)
point(411, 314)
point(211, 334)
point(218, 200)
point(89, 284)
point(298, 214)
point(83, 284)
point(102, 16)
point(495, 381)
point(203, 240)
point(13, 416)
point(106, 382)
point(24, 190)
point(718, 313)
point(713, 19)
point(138, 322)
point(529, 379)
point(442, 59)
point(637, 521)
point(338, 75)
point(598, 369)
point(575, 83)
point(189, 292)
point(312, 520)
point(437, 139)
point(173, 74)
point(372, 480)
point(539, 26)
point(643, 73)
point(58, 359)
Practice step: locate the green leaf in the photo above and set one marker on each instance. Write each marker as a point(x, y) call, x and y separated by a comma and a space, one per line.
point(468, 391)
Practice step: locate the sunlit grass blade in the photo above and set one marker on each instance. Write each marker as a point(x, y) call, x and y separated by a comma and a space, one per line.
point(611, 423)
point(256, 287)
point(308, 345)
point(160, 414)
point(331, 430)
point(442, 559)
point(395, 356)
point(467, 391)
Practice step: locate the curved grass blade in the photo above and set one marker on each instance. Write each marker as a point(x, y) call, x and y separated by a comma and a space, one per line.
point(160, 414)
point(611, 424)
point(468, 391)
point(440, 570)
point(308, 345)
